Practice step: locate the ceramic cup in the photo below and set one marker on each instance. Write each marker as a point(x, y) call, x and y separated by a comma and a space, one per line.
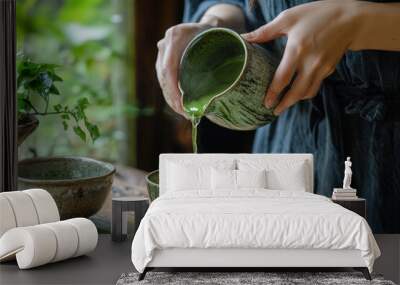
point(229, 77)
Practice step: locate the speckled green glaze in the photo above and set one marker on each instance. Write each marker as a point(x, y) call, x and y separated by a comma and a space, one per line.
point(153, 188)
point(238, 103)
point(79, 185)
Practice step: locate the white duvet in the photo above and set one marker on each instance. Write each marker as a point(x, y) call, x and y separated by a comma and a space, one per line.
point(250, 219)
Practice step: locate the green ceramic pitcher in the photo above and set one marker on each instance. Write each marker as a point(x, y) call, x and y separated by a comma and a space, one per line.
point(225, 78)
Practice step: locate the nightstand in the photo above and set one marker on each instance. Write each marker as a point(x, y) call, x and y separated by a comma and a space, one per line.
point(121, 208)
point(358, 206)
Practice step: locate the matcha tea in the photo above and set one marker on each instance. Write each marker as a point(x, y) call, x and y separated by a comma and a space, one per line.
point(210, 65)
point(195, 123)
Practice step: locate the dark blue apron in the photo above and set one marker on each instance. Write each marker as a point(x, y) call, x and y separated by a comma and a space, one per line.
point(356, 113)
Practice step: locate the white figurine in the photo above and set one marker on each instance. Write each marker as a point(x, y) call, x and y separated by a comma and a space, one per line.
point(347, 174)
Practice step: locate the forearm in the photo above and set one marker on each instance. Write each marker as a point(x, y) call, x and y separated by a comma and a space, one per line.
point(225, 15)
point(379, 26)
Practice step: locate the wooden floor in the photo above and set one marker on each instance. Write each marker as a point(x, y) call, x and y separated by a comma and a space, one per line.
point(389, 263)
point(110, 260)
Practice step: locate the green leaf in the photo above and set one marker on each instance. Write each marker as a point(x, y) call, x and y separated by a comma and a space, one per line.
point(80, 133)
point(65, 116)
point(80, 107)
point(20, 81)
point(58, 107)
point(93, 130)
point(53, 90)
point(83, 103)
point(45, 66)
point(65, 125)
point(79, 114)
point(56, 77)
point(22, 105)
point(37, 78)
point(28, 69)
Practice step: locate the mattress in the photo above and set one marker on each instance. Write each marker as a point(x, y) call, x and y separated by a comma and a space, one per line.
point(250, 219)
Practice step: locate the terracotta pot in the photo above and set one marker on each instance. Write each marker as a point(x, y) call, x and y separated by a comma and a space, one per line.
point(79, 185)
point(26, 126)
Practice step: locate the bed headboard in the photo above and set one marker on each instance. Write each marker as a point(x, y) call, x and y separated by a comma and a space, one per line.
point(166, 157)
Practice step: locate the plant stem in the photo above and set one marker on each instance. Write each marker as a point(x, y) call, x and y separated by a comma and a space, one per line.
point(47, 113)
point(54, 113)
point(47, 105)
point(33, 107)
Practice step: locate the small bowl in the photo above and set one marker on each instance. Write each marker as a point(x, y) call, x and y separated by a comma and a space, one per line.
point(153, 187)
point(79, 185)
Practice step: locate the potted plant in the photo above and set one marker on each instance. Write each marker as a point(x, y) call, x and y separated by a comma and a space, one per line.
point(35, 85)
point(79, 185)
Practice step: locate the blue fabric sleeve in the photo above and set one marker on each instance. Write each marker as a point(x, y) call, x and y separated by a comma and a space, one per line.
point(195, 9)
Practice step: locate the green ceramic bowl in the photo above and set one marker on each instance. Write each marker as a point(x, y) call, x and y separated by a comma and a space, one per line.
point(79, 185)
point(153, 187)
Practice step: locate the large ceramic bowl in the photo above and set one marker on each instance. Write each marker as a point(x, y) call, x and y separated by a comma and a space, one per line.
point(79, 185)
point(152, 180)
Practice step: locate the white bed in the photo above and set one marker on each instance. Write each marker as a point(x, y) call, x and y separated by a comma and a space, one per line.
point(248, 227)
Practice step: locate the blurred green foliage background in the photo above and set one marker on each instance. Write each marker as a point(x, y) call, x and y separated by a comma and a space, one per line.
point(91, 40)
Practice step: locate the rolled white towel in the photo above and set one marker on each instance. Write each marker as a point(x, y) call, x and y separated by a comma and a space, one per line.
point(7, 218)
point(87, 235)
point(26, 208)
point(40, 244)
point(67, 240)
point(32, 246)
point(45, 205)
point(23, 208)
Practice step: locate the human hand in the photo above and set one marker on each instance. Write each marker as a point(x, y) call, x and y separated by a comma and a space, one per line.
point(170, 50)
point(318, 34)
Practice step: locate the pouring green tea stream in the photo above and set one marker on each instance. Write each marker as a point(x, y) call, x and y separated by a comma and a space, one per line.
point(205, 85)
point(225, 78)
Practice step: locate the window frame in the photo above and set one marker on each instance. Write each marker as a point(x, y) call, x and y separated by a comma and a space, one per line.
point(8, 100)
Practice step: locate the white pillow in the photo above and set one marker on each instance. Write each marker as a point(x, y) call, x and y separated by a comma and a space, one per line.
point(251, 178)
point(181, 178)
point(237, 179)
point(193, 175)
point(283, 174)
point(223, 179)
point(291, 180)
